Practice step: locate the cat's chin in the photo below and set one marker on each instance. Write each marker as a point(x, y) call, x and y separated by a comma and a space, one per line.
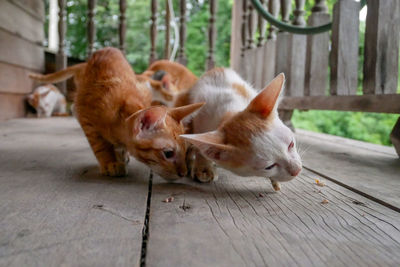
point(282, 178)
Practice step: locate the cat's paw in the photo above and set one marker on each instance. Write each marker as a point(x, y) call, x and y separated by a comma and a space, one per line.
point(116, 169)
point(276, 185)
point(203, 171)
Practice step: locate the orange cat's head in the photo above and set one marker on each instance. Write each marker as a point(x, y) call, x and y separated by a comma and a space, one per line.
point(254, 142)
point(155, 139)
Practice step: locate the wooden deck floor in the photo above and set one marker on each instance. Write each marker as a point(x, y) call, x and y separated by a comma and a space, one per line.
point(56, 210)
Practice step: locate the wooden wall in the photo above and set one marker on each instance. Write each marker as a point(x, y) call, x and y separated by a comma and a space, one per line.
point(21, 51)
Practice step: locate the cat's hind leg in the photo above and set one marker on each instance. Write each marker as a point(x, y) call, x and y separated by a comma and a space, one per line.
point(105, 153)
point(199, 167)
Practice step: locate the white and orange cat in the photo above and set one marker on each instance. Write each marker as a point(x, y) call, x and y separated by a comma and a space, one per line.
point(114, 111)
point(240, 130)
point(47, 101)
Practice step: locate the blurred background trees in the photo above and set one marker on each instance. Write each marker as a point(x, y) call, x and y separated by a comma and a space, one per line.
point(368, 127)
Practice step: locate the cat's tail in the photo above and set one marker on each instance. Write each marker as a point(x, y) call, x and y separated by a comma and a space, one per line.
point(59, 76)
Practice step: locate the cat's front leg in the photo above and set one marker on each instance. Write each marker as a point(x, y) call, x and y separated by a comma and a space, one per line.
point(199, 167)
point(105, 153)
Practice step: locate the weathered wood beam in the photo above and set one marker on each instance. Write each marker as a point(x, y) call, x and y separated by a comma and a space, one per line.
point(167, 30)
point(153, 31)
point(61, 57)
point(381, 49)
point(122, 25)
point(317, 56)
point(395, 136)
point(344, 51)
point(212, 34)
point(91, 30)
point(365, 103)
point(182, 33)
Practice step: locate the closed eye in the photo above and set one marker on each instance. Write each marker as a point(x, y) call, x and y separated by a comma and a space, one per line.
point(291, 145)
point(271, 166)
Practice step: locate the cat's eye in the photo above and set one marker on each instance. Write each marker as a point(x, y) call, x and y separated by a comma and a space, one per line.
point(168, 154)
point(270, 166)
point(291, 145)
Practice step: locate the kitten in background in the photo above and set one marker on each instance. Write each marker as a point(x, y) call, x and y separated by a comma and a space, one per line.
point(240, 130)
point(47, 100)
point(114, 110)
point(167, 79)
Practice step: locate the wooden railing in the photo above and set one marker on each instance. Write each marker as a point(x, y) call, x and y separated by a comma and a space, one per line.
point(322, 69)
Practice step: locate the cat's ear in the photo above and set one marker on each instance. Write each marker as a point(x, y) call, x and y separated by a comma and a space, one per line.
point(211, 145)
point(180, 113)
point(145, 123)
point(266, 101)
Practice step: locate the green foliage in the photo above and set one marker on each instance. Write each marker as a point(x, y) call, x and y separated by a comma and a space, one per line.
point(369, 127)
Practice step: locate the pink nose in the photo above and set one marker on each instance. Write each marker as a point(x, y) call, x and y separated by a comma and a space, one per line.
point(295, 172)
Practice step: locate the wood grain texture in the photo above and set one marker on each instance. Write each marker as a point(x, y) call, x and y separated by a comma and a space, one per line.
point(34, 8)
point(15, 79)
point(240, 221)
point(20, 52)
point(371, 169)
point(344, 51)
point(269, 61)
point(153, 31)
point(15, 20)
point(317, 57)
point(381, 49)
point(11, 106)
point(55, 208)
point(395, 136)
point(366, 103)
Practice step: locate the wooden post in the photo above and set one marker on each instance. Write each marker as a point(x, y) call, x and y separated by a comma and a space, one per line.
point(395, 136)
point(167, 30)
point(236, 36)
point(61, 58)
point(122, 25)
point(296, 55)
point(381, 47)
point(283, 42)
point(259, 52)
point(344, 51)
point(211, 35)
point(153, 31)
point(91, 30)
point(243, 72)
point(317, 56)
point(270, 46)
point(182, 33)
point(249, 54)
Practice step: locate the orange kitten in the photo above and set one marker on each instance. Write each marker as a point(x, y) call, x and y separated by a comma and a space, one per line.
point(167, 79)
point(240, 130)
point(114, 111)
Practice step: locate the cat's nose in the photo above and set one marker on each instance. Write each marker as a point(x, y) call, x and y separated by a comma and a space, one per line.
point(182, 171)
point(295, 171)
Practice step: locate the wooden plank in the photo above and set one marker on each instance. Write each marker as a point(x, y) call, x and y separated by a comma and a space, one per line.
point(344, 52)
point(317, 58)
point(15, 79)
point(269, 61)
point(282, 51)
point(55, 209)
point(21, 52)
point(366, 103)
point(34, 8)
point(258, 67)
point(371, 169)
point(11, 106)
point(296, 61)
point(14, 20)
point(395, 136)
point(381, 49)
point(238, 221)
point(236, 35)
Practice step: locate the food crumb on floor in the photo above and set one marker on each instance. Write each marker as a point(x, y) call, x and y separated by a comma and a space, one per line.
point(319, 183)
point(325, 201)
point(168, 199)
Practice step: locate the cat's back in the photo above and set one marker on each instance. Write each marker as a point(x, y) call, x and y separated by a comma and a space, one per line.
point(224, 91)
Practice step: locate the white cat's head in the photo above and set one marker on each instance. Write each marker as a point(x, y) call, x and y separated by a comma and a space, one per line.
point(254, 142)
